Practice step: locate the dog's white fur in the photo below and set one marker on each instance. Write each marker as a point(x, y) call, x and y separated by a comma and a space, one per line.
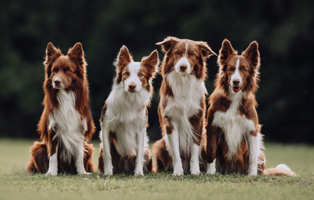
point(188, 92)
point(125, 115)
point(69, 126)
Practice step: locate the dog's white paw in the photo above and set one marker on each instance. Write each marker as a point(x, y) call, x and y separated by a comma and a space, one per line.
point(252, 171)
point(138, 173)
point(51, 173)
point(85, 173)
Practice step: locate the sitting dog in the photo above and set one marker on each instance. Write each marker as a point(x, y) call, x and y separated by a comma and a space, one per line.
point(124, 116)
point(66, 123)
point(182, 105)
point(234, 141)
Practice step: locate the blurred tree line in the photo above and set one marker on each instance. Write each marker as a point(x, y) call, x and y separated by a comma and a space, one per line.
point(284, 30)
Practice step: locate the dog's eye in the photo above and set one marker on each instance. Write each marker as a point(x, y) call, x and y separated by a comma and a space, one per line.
point(141, 75)
point(244, 69)
point(55, 69)
point(230, 69)
point(68, 70)
point(126, 74)
point(192, 54)
point(177, 53)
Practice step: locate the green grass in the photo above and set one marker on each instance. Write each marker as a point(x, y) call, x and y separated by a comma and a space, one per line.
point(15, 183)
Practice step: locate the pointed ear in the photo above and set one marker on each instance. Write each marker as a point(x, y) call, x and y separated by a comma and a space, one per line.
point(225, 51)
point(252, 54)
point(206, 50)
point(151, 62)
point(76, 53)
point(168, 43)
point(124, 57)
point(51, 53)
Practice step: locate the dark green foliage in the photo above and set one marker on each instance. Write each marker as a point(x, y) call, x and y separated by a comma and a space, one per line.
point(283, 29)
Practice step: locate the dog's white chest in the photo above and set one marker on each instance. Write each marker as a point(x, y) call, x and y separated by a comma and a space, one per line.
point(68, 124)
point(234, 126)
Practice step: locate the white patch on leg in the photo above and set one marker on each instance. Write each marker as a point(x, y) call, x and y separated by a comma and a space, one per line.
point(176, 159)
point(79, 163)
point(211, 168)
point(194, 163)
point(53, 164)
point(253, 154)
point(106, 152)
point(140, 153)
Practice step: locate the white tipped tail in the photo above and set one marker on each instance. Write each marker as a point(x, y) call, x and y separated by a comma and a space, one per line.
point(281, 169)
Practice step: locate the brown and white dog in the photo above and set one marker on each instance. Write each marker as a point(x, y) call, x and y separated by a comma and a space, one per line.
point(234, 141)
point(66, 123)
point(182, 105)
point(124, 117)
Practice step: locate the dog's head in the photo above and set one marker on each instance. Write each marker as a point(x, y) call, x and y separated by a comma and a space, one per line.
point(238, 72)
point(185, 56)
point(64, 71)
point(135, 75)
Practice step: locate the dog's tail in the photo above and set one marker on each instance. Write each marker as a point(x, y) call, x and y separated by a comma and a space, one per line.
point(281, 169)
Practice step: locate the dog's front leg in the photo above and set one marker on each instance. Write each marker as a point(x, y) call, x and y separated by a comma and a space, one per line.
point(52, 154)
point(79, 162)
point(194, 163)
point(106, 150)
point(140, 153)
point(172, 133)
point(253, 155)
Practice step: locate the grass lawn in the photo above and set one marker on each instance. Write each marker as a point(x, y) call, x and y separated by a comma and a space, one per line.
point(15, 183)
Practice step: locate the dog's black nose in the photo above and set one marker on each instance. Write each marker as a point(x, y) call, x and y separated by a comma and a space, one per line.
point(132, 86)
point(236, 82)
point(57, 82)
point(183, 68)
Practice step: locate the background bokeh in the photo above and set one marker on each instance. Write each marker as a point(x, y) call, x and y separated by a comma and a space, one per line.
point(284, 30)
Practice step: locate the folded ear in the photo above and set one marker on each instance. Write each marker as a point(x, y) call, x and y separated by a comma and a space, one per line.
point(167, 43)
point(51, 53)
point(76, 53)
point(151, 62)
point(206, 50)
point(252, 54)
point(225, 51)
point(124, 57)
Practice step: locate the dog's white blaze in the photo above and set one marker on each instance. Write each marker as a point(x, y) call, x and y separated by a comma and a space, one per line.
point(134, 67)
point(236, 74)
point(234, 125)
point(68, 125)
point(184, 61)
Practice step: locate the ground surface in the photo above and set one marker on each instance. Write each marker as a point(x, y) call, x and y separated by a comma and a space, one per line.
point(15, 183)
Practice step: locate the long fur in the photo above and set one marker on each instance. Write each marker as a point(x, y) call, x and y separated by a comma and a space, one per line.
point(234, 142)
point(66, 123)
point(182, 105)
point(124, 118)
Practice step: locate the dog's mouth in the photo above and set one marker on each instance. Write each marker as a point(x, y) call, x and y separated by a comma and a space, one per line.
point(235, 89)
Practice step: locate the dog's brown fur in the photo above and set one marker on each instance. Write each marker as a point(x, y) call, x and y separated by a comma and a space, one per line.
point(72, 69)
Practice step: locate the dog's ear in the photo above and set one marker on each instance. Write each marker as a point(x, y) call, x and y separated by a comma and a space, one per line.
point(225, 51)
point(167, 43)
point(252, 54)
point(76, 53)
point(206, 50)
point(124, 57)
point(151, 62)
point(51, 53)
